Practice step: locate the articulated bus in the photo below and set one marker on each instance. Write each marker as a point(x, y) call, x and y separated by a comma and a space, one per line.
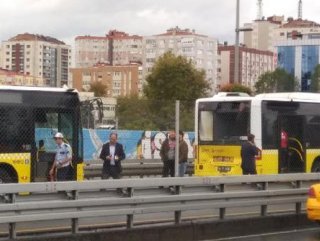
point(223, 122)
point(29, 118)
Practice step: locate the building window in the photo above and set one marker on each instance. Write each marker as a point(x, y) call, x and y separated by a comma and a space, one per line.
point(310, 58)
point(28, 46)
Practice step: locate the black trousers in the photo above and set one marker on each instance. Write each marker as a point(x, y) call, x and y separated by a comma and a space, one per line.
point(111, 172)
point(249, 171)
point(65, 173)
point(168, 168)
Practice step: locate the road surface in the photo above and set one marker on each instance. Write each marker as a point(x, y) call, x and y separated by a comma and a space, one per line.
point(300, 235)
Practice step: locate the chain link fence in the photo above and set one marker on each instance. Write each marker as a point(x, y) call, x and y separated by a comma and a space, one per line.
point(142, 130)
point(30, 118)
point(142, 127)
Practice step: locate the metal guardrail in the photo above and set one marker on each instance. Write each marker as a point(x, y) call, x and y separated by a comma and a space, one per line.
point(133, 168)
point(89, 200)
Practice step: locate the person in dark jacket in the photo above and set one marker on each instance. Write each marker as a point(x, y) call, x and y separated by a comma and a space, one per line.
point(183, 155)
point(249, 151)
point(112, 154)
point(167, 154)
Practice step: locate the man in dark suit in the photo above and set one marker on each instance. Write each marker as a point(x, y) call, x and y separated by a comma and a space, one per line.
point(249, 151)
point(112, 154)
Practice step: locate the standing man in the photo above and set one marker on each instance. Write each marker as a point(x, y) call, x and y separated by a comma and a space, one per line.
point(249, 151)
point(61, 168)
point(167, 154)
point(112, 154)
point(183, 155)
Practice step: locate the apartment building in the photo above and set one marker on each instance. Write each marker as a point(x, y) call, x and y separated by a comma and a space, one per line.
point(253, 63)
point(119, 80)
point(261, 35)
point(90, 50)
point(37, 55)
point(295, 29)
point(200, 49)
point(267, 32)
point(124, 48)
point(116, 48)
point(8, 77)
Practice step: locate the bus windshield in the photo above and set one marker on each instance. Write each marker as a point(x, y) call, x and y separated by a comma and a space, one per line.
point(223, 122)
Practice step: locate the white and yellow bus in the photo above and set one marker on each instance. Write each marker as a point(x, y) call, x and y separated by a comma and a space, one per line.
point(29, 118)
point(223, 122)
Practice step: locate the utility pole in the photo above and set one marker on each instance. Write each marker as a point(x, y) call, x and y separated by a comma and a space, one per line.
point(236, 79)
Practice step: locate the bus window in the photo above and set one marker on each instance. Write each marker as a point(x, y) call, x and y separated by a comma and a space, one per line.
point(272, 111)
point(46, 124)
point(66, 126)
point(206, 126)
point(313, 131)
point(16, 131)
point(224, 122)
point(232, 122)
point(49, 122)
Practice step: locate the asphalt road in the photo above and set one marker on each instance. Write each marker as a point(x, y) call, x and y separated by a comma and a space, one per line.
point(295, 235)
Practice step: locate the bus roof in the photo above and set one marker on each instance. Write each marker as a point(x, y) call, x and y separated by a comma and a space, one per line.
point(45, 89)
point(290, 96)
point(225, 98)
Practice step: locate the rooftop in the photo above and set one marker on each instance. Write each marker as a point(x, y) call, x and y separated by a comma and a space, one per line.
point(90, 37)
point(180, 32)
point(112, 34)
point(35, 37)
point(300, 23)
point(12, 73)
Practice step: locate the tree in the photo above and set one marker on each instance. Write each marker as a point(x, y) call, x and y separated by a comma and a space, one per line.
point(133, 114)
point(315, 79)
point(236, 88)
point(276, 81)
point(98, 88)
point(174, 78)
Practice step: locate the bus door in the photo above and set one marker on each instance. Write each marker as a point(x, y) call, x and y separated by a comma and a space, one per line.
point(47, 123)
point(292, 149)
point(45, 126)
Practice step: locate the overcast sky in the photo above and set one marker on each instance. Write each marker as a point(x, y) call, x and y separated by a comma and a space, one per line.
point(65, 19)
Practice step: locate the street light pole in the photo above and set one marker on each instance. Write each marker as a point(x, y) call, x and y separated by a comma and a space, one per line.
point(236, 79)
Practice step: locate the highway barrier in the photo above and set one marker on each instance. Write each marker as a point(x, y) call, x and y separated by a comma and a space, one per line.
point(259, 195)
point(133, 168)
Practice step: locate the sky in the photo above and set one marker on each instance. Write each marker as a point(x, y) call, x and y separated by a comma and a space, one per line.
point(66, 19)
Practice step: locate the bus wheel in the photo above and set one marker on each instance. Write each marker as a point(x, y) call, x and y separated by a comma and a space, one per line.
point(5, 177)
point(316, 166)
